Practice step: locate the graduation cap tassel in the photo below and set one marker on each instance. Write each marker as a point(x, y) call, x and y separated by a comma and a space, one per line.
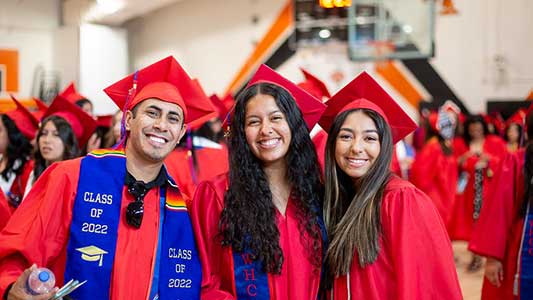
point(227, 132)
point(131, 95)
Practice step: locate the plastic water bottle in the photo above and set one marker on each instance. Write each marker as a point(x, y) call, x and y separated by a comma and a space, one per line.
point(40, 281)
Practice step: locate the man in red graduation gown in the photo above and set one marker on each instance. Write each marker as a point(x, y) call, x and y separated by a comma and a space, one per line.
point(114, 218)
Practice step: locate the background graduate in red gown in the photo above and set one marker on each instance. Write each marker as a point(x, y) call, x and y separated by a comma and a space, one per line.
point(435, 169)
point(387, 240)
point(17, 130)
point(479, 154)
point(499, 230)
point(258, 228)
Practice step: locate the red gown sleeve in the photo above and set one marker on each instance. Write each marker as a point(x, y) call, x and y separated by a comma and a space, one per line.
point(424, 170)
point(419, 246)
point(491, 232)
point(38, 230)
point(207, 205)
point(319, 140)
point(5, 211)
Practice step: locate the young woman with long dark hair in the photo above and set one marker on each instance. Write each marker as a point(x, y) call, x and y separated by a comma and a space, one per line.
point(259, 229)
point(63, 132)
point(17, 129)
point(501, 233)
point(386, 238)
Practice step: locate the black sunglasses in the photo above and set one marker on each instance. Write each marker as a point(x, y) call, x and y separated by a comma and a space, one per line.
point(135, 210)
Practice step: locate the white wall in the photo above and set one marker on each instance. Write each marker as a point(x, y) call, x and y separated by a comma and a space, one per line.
point(103, 61)
point(28, 26)
point(210, 38)
point(467, 44)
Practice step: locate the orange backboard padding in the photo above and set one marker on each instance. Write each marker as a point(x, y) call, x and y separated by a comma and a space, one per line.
point(7, 104)
point(10, 59)
point(391, 73)
point(284, 21)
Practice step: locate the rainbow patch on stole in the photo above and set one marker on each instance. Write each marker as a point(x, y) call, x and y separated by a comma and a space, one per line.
point(106, 152)
point(175, 201)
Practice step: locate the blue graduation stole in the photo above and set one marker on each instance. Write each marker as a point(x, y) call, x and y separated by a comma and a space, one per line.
point(251, 282)
point(93, 233)
point(526, 254)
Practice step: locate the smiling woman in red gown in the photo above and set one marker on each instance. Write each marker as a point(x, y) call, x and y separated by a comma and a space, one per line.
point(259, 229)
point(387, 240)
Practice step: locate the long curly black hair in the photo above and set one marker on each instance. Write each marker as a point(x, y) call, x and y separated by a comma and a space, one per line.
point(66, 134)
point(18, 148)
point(248, 219)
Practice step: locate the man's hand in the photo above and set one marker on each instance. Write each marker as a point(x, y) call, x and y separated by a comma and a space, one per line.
point(494, 271)
point(18, 289)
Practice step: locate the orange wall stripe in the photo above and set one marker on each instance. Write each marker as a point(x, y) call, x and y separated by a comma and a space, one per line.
point(10, 59)
point(399, 82)
point(8, 104)
point(284, 21)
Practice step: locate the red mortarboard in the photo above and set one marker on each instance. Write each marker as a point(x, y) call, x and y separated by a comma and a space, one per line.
point(104, 121)
point(314, 86)
point(365, 92)
point(82, 124)
point(311, 107)
point(70, 94)
point(41, 109)
point(165, 80)
point(223, 106)
point(198, 92)
point(23, 118)
point(519, 117)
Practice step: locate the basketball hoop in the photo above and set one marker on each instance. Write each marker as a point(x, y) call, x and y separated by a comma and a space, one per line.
point(382, 50)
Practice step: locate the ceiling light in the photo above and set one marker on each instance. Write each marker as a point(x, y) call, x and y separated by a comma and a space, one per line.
point(110, 6)
point(324, 33)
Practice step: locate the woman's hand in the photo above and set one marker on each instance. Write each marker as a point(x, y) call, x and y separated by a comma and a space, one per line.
point(494, 271)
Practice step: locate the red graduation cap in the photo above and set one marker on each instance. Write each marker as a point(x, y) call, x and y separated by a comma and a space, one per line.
point(198, 92)
point(223, 106)
point(41, 109)
point(519, 117)
point(311, 107)
point(71, 94)
point(104, 121)
point(165, 80)
point(365, 92)
point(314, 86)
point(23, 118)
point(82, 124)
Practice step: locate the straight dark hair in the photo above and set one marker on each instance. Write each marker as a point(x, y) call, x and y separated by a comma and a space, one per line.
point(353, 215)
point(248, 219)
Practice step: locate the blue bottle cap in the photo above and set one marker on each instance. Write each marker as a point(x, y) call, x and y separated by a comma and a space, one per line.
point(44, 276)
